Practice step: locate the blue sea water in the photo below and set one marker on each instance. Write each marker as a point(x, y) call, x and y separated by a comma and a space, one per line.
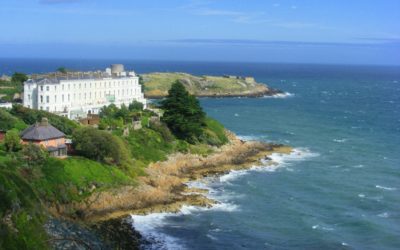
point(340, 189)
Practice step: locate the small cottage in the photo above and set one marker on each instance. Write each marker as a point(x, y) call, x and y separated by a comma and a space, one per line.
point(44, 134)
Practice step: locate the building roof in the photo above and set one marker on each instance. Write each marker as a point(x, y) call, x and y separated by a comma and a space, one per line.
point(41, 131)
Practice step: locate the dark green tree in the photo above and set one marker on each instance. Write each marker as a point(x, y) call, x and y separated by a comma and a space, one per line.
point(183, 113)
point(62, 70)
point(18, 77)
point(136, 106)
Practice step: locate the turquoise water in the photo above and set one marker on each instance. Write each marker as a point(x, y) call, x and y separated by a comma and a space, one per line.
point(339, 190)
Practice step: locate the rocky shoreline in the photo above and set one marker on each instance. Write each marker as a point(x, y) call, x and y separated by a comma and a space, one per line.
point(164, 188)
point(253, 94)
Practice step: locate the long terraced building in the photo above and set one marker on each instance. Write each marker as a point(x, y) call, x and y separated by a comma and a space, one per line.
point(75, 97)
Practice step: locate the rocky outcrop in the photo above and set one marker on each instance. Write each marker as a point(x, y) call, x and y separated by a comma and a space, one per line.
point(163, 188)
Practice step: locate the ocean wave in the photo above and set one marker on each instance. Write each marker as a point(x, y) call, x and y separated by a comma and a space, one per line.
point(384, 215)
point(280, 95)
point(248, 137)
point(340, 140)
point(150, 226)
point(386, 188)
point(271, 164)
point(147, 225)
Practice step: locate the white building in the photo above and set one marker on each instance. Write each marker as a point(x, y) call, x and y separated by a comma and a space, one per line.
point(76, 97)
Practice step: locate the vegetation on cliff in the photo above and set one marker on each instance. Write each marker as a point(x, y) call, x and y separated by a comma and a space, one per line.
point(156, 85)
point(34, 185)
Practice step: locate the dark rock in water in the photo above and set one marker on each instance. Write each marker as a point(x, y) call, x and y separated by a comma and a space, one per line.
point(119, 234)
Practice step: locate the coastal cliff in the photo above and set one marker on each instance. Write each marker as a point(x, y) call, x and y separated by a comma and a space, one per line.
point(156, 85)
point(164, 189)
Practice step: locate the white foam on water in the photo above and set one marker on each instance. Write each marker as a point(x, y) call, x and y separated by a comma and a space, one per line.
point(361, 195)
point(384, 215)
point(386, 188)
point(340, 140)
point(280, 95)
point(147, 226)
point(150, 226)
point(248, 137)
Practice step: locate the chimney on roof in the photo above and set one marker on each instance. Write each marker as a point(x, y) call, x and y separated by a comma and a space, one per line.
point(44, 122)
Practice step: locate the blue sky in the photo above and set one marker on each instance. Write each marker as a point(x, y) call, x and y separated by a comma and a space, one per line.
point(309, 31)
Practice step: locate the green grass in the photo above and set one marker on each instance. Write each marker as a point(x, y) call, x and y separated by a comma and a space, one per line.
point(215, 133)
point(148, 145)
point(84, 173)
point(158, 84)
point(24, 230)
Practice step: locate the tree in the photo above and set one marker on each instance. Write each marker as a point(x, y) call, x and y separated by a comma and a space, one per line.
point(19, 77)
point(12, 141)
point(136, 106)
point(100, 145)
point(183, 113)
point(34, 155)
point(62, 70)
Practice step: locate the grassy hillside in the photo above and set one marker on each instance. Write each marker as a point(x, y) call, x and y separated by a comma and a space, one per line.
point(158, 84)
point(31, 182)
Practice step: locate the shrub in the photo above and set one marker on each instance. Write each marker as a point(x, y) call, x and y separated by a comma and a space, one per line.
point(100, 146)
point(12, 141)
point(30, 116)
point(8, 121)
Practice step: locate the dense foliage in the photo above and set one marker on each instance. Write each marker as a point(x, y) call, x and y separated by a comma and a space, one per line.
point(100, 146)
point(183, 114)
point(8, 121)
point(18, 77)
point(30, 116)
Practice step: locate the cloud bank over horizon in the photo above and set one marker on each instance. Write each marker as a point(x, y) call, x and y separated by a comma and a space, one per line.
point(282, 31)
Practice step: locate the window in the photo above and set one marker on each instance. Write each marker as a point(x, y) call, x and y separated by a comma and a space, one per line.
point(47, 109)
point(47, 88)
point(68, 97)
point(41, 99)
point(55, 98)
point(29, 97)
point(55, 87)
point(62, 86)
point(47, 99)
point(41, 88)
point(41, 107)
point(62, 97)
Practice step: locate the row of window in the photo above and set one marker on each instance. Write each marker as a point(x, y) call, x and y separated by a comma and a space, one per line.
point(89, 85)
point(88, 95)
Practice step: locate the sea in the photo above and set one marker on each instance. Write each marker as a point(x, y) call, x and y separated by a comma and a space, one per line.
point(338, 189)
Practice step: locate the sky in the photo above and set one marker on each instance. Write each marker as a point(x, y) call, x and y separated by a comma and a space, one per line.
point(294, 31)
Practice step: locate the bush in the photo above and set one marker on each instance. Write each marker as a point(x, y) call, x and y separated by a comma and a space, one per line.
point(34, 155)
point(136, 106)
point(30, 116)
point(100, 146)
point(7, 121)
point(12, 141)
point(214, 133)
point(19, 77)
